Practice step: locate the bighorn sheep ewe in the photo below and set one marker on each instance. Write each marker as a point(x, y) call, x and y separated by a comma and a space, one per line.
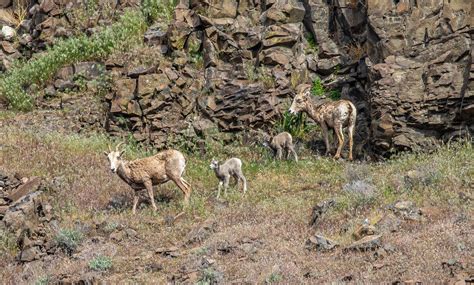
point(231, 167)
point(150, 171)
point(335, 115)
point(280, 142)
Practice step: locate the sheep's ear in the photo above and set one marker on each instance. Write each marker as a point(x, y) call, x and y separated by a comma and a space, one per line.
point(106, 153)
point(121, 152)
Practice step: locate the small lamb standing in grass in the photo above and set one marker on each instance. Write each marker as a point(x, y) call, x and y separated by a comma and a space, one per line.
point(280, 142)
point(231, 167)
point(335, 115)
point(150, 171)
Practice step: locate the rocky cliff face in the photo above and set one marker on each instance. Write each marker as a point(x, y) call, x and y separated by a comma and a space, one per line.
point(420, 72)
point(233, 65)
point(406, 65)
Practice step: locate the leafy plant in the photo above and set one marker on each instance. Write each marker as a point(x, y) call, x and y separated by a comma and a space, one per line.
point(44, 280)
point(274, 278)
point(100, 263)
point(317, 89)
point(127, 31)
point(68, 240)
point(313, 47)
point(296, 125)
point(158, 9)
point(208, 276)
point(8, 243)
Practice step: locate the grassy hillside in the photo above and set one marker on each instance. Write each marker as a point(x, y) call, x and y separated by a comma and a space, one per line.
point(259, 237)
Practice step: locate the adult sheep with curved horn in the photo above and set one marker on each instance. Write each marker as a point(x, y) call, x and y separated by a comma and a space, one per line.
point(150, 171)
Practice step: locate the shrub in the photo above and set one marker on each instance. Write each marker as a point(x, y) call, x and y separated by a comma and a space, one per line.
point(296, 125)
point(100, 263)
point(125, 32)
point(209, 276)
point(44, 280)
point(158, 9)
point(68, 240)
point(8, 243)
point(274, 278)
point(317, 89)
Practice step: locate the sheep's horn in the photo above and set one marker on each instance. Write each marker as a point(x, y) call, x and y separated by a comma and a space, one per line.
point(110, 150)
point(117, 147)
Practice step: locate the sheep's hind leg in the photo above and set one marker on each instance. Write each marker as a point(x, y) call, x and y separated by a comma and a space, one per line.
point(244, 182)
point(226, 185)
point(340, 139)
point(135, 202)
point(149, 188)
point(292, 149)
point(183, 188)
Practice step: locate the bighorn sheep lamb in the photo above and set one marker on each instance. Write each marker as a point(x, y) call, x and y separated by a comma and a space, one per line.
point(280, 142)
point(150, 171)
point(335, 115)
point(231, 167)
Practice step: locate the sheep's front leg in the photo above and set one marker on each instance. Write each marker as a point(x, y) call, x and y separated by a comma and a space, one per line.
point(219, 189)
point(135, 202)
point(279, 153)
point(149, 188)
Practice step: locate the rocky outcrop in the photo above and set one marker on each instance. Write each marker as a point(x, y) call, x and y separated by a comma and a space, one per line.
point(240, 66)
point(26, 215)
point(420, 73)
point(45, 21)
point(231, 66)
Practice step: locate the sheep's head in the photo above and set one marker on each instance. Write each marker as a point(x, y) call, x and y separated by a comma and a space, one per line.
point(114, 157)
point(214, 164)
point(302, 100)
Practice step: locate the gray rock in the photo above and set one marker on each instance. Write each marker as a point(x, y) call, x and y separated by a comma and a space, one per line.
point(407, 210)
point(319, 209)
point(360, 188)
point(8, 33)
point(321, 243)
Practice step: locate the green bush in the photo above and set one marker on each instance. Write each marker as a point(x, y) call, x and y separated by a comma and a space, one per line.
point(68, 240)
point(158, 9)
point(8, 243)
point(317, 89)
point(100, 263)
point(128, 30)
point(296, 125)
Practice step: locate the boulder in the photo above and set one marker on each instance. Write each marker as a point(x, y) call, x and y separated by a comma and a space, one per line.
point(319, 209)
point(320, 243)
point(285, 11)
point(8, 33)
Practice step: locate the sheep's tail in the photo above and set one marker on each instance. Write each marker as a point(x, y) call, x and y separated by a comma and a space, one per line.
point(352, 114)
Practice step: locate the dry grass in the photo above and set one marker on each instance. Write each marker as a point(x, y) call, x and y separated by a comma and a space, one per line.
point(260, 237)
point(15, 15)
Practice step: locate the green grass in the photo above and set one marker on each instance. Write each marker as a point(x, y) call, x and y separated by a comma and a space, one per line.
point(318, 90)
point(15, 85)
point(101, 263)
point(68, 240)
point(296, 125)
point(8, 244)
